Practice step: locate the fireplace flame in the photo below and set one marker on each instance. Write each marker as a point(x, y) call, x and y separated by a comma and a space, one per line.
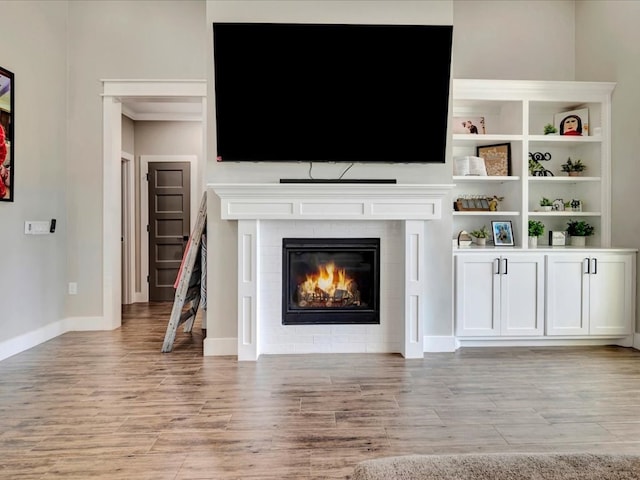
point(329, 287)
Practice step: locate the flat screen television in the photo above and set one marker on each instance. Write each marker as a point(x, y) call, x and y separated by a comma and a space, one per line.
point(331, 92)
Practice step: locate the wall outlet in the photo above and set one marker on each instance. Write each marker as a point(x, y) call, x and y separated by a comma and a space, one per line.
point(73, 288)
point(32, 227)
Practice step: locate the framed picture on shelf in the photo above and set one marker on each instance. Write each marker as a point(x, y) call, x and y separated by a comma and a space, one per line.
point(574, 122)
point(469, 125)
point(502, 233)
point(497, 159)
point(7, 169)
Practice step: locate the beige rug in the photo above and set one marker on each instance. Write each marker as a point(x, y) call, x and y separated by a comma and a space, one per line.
point(501, 467)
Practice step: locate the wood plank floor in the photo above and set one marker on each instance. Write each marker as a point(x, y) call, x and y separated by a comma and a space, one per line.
point(109, 405)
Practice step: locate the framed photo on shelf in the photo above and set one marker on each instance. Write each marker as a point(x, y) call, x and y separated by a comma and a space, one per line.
point(469, 125)
point(497, 159)
point(502, 233)
point(557, 239)
point(574, 122)
point(7, 169)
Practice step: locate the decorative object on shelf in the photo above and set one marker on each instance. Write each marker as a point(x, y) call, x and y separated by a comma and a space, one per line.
point(546, 204)
point(480, 235)
point(494, 202)
point(536, 228)
point(7, 170)
point(472, 203)
point(502, 233)
point(557, 239)
point(574, 169)
point(549, 129)
point(558, 205)
point(578, 230)
point(469, 125)
point(576, 205)
point(497, 159)
point(535, 167)
point(574, 122)
point(469, 166)
point(464, 239)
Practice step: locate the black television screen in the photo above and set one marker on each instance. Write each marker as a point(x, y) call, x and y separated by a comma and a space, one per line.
point(331, 92)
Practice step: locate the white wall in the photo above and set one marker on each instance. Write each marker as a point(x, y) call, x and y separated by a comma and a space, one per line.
point(514, 40)
point(115, 40)
point(33, 268)
point(608, 49)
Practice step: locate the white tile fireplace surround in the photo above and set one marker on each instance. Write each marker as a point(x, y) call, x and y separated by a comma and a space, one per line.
point(267, 213)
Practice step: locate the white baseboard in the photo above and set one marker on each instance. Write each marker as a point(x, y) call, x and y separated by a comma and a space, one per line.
point(87, 324)
point(636, 341)
point(217, 347)
point(43, 334)
point(436, 344)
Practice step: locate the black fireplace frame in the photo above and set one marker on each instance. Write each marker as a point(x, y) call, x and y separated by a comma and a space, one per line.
point(369, 315)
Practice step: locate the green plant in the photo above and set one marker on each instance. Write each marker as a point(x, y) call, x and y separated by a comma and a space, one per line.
point(481, 233)
point(572, 166)
point(548, 129)
point(545, 202)
point(536, 228)
point(579, 228)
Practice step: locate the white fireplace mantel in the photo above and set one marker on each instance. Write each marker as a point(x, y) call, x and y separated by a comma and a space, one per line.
point(413, 204)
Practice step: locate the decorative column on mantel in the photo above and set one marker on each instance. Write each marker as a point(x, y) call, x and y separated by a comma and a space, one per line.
point(413, 204)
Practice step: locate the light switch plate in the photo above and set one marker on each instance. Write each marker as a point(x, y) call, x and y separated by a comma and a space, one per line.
point(32, 227)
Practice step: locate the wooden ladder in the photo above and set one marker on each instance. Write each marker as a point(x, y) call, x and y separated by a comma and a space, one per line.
point(189, 283)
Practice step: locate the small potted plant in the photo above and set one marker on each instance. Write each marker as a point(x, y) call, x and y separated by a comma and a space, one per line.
point(550, 129)
point(579, 230)
point(574, 169)
point(480, 235)
point(546, 204)
point(536, 228)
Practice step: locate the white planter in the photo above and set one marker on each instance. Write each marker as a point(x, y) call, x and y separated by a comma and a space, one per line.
point(576, 241)
point(547, 208)
point(533, 242)
point(480, 241)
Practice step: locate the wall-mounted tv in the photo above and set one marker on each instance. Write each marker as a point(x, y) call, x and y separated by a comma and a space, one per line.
point(331, 92)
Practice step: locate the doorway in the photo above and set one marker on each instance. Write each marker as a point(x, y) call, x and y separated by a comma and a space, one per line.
point(115, 92)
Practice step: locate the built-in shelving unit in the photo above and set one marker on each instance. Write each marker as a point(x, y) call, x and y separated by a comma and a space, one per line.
point(516, 112)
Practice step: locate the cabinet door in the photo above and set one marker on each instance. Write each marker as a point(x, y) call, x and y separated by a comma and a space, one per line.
point(567, 294)
point(477, 285)
point(522, 295)
point(611, 294)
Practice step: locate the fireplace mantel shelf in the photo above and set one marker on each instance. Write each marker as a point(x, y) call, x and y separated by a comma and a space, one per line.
point(331, 201)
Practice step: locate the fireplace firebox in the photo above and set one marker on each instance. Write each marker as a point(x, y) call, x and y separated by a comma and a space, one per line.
point(330, 281)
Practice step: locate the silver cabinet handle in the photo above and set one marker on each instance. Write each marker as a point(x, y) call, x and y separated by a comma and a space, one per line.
point(497, 266)
point(586, 264)
point(594, 269)
point(506, 266)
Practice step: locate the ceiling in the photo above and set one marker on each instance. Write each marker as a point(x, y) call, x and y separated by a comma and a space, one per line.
point(187, 109)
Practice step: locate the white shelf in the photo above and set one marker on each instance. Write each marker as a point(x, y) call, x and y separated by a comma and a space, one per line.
point(566, 213)
point(520, 109)
point(483, 213)
point(564, 179)
point(481, 179)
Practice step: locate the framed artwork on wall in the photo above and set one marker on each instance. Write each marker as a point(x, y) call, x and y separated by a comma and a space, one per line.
point(7, 165)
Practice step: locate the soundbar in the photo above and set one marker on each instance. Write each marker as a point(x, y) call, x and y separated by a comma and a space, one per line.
point(338, 180)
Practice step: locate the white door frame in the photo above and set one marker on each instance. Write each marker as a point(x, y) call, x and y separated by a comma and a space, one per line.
point(114, 92)
point(195, 194)
point(129, 228)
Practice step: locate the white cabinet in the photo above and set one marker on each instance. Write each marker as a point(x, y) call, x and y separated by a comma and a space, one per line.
point(499, 295)
point(590, 293)
point(515, 113)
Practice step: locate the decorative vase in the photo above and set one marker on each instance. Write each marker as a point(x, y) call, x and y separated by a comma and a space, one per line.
point(480, 241)
point(577, 241)
point(547, 208)
point(533, 242)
